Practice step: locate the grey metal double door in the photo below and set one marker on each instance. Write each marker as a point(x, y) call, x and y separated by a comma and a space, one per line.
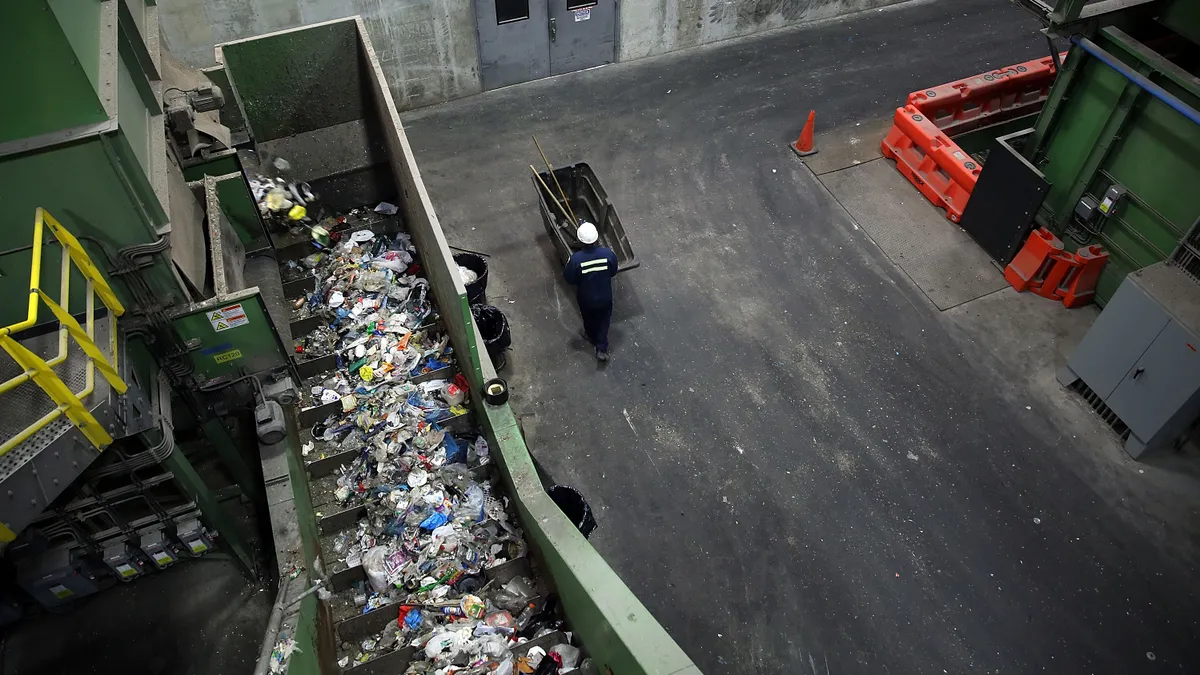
point(522, 40)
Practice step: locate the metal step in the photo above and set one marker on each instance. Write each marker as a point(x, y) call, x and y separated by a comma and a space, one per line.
point(35, 472)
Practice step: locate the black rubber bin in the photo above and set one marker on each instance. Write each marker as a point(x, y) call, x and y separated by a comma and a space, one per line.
point(574, 507)
point(493, 326)
point(476, 290)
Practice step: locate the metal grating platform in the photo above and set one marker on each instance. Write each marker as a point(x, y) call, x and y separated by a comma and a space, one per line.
point(35, 472)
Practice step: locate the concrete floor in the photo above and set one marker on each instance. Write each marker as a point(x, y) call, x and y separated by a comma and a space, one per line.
point(198, 618)
point(798, 461)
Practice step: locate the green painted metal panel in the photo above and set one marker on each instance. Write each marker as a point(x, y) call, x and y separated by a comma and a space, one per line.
point(220, 166)
point(1183, 17)
point(1078, 130)
point(305, 660)
point(306, 517)
point(240, 211)
point(132, 112)
point(80, 22)
point(297, 81)
point(105, 199)
point(233, 535)
point(233, 335)
point(45, 87)
point(1104, 129)
point(137, 11)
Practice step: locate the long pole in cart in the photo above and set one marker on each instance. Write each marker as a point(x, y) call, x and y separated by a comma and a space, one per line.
point(547, 189)
point(561, 191)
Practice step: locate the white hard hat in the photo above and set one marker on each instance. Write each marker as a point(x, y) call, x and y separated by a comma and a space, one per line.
point(587, 233)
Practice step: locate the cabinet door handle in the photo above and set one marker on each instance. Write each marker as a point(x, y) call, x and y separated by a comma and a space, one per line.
point(553, 30)
point(1138, 373)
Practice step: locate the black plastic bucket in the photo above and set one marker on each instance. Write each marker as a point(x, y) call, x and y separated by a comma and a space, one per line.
point(574, 507)
point(477, 289)
point(493, 326)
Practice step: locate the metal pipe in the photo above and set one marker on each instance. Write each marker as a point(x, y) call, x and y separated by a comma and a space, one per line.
point(273, 624)
point(315, 587)
point(1054, 55)
point(1136, 78)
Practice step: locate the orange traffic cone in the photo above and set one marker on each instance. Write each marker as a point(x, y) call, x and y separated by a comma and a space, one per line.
point(804, 145)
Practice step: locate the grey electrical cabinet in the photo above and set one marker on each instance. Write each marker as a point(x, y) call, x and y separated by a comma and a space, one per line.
point(1142, 356)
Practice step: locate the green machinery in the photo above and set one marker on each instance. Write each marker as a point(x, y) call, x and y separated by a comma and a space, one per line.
point(116, 441)
point(1122, 124)
point(147, 319)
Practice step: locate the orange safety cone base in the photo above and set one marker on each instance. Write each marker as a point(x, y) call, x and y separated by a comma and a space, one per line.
point(803, 146)
point(802, 153)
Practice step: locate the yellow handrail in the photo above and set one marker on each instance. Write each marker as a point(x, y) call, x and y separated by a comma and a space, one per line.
point(42, 372)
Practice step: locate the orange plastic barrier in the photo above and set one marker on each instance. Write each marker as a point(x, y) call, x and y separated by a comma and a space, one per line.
point(988, 98)
point(920, 137)
point(931, 161)
point(1044, 268)
point(1028, 270)
point(1080, 286)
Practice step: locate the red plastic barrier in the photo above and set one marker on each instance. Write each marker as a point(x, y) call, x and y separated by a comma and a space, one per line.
point(1080, 287)
point(1044, 268)
point(931, 161)
point(1029, 269)
point(988, 98)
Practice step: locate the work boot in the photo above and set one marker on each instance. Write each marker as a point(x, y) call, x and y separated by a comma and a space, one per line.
point(601, 356)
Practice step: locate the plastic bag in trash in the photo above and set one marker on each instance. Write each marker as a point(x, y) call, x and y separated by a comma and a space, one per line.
point(514, 595)
point(472, 505)
point(412, 620)
point(443, 641)
point(568, 654)
point(374, 563)
point(434, 521)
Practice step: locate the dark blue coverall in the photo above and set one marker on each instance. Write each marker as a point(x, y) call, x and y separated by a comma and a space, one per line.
point(591, 271)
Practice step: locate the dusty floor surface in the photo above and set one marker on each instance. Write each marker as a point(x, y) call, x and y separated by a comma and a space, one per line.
point(798, 462)
point(199, 618)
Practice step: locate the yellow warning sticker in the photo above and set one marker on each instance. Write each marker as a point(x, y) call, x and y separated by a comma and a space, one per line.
point(228, 356)
point(228, 317)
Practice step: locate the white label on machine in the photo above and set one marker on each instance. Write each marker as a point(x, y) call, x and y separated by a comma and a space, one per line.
point(163, 558)
point(228, 317)
point(61, 592)
point(582, 14)
point(126, 571)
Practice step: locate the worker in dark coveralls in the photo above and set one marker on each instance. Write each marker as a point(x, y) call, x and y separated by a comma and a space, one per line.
point(591, 271)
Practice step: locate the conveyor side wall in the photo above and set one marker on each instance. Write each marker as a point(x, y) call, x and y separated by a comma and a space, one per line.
point(284, 82)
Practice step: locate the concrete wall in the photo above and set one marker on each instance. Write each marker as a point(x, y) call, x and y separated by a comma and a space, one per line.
point(651, 27)
point(427, 48)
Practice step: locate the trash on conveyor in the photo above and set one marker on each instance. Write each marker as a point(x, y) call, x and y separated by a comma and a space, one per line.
point(433, 528)
point(367, 288)
point(282, 201)
point(283, 651)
